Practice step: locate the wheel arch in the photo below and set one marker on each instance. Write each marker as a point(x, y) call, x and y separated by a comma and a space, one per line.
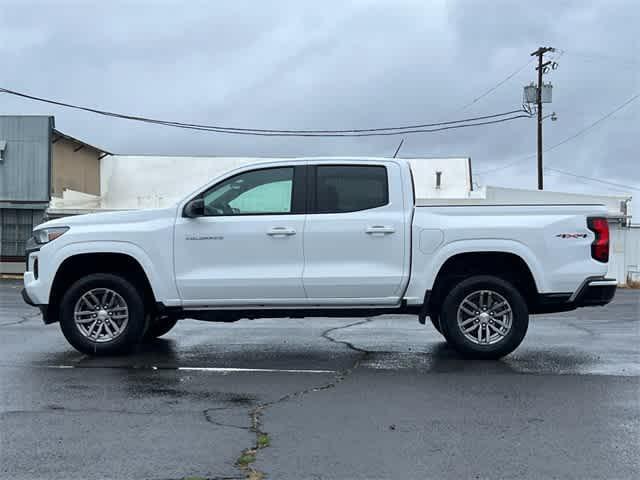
point(78, 265)
point(503, 264)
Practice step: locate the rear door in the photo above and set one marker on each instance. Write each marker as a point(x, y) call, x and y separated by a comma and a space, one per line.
point(354, 237)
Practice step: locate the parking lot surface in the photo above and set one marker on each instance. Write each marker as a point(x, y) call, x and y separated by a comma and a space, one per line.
point(325, 399)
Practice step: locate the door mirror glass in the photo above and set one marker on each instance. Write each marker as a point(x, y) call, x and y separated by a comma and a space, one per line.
point(194, 208)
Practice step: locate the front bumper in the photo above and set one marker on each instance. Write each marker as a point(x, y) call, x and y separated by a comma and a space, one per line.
point(44, 310)
point(34, 292)
point(27, 299)
point(31, 247)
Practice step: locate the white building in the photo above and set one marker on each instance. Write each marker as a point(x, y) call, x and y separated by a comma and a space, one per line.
point(134, 181)
point(149, 181)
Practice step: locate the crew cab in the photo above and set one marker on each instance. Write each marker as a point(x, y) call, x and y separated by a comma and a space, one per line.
point(339, 237)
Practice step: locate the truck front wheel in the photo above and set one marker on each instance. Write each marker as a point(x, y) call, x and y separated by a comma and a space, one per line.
point(484, 317)
point(102, 314)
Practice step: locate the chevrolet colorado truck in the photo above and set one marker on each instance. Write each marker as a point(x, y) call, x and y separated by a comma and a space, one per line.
point(338, 237)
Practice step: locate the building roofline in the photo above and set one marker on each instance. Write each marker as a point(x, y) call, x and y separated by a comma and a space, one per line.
point(35, 115)
point(58, 135)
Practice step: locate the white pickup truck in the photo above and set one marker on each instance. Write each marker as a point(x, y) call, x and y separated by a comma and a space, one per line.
point(338, 237)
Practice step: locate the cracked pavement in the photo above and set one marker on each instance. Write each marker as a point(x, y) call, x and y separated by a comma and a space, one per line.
point(364, 398)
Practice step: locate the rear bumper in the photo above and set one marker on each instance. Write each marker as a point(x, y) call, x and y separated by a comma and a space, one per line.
point(593, 292)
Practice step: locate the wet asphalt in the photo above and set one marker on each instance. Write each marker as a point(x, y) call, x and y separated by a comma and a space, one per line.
point(380, 398)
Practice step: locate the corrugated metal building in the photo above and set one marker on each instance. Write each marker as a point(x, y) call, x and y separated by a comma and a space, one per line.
point(36, 161)
point(25, 180)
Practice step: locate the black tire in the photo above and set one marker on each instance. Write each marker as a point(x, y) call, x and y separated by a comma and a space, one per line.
point(435, 321)
point(159, 326)
point(131, 334)
point(468, 348)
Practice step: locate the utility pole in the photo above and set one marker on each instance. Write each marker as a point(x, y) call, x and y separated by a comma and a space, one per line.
point(541, 66)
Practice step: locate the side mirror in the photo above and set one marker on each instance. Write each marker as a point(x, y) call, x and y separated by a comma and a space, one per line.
point(194, 208)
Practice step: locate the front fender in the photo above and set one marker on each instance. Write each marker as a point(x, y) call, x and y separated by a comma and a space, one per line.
point(159, 274)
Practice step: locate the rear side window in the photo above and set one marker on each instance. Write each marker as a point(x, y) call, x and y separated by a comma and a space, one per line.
point(349, 188)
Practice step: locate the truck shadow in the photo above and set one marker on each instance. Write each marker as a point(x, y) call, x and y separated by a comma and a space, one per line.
point(441, 358)
point(432, 357)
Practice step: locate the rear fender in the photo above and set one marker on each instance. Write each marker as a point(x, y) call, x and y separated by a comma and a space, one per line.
point(426, 267)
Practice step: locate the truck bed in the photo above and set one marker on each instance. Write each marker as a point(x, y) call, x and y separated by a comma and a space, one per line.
point(469, 202)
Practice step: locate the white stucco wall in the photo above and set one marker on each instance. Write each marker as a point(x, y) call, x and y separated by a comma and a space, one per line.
point(455, 178)
point(140, 181)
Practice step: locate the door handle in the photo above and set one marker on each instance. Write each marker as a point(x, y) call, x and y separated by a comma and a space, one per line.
point(380, 230)
point(280, 231)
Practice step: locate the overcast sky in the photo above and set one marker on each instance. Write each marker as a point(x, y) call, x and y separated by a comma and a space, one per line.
point(329, 65)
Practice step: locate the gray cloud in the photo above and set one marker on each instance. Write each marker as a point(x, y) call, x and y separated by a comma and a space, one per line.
point(333, 65)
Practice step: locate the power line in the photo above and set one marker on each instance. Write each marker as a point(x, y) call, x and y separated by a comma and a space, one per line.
point(365, 134)
point(508, 165)
point(564, 172)
point(569, 138)
point(496, 86)
point(420, 128)
point(489, 91)
point(591, 125)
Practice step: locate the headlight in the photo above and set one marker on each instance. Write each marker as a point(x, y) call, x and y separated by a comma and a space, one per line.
point(45, 235)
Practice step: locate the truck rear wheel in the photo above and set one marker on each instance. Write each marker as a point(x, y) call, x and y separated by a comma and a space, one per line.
point(102, 314)
point(484, 317)
point(435, 321)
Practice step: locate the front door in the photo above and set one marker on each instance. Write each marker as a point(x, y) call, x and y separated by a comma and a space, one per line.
point(354, 239)
point(246, 248)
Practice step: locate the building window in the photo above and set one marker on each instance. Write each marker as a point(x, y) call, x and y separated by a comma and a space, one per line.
point(16, 226)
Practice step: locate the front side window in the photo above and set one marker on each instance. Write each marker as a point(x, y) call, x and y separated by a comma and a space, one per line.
point(258, 192)
point(349, 188)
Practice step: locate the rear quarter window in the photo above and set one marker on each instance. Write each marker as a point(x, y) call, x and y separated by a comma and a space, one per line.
point(350, 188)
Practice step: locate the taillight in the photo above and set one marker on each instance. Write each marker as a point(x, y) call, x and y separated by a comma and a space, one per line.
point(600, 245)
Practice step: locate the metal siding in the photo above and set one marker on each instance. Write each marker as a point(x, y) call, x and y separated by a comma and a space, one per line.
point(632, 256)
point(624, 255)
point(16, 225)
point(617, 253)
point(24, 172)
